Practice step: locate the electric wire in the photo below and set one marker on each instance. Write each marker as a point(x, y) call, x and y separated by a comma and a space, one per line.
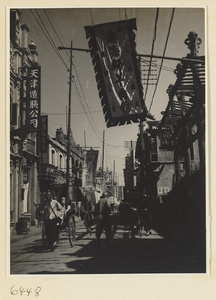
point(47, 35)
point(84, 109)
point(152, 51)
point(55, 30)
point(52, 42)
point(165, 68)
point(55, 49)
point(126, 17)
point(92, 22)
point(39, 35)
point(73, 113)
point(88, 110)
point(165, 47)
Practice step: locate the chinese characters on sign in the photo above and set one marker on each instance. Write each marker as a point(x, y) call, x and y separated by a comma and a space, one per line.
point(44, 133)
point(91, 162)
point(33, 96)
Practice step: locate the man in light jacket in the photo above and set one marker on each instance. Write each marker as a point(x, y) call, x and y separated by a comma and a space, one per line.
point(54, 213)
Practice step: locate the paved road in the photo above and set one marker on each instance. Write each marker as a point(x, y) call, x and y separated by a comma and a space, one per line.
point(126, 254)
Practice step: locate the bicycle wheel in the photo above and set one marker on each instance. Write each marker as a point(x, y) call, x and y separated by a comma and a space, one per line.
point(140, 230)
point(71, 231)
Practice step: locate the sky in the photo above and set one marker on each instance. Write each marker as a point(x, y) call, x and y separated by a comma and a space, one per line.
point(64, 25)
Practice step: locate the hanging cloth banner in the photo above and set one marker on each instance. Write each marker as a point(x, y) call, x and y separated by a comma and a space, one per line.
point(112, 47)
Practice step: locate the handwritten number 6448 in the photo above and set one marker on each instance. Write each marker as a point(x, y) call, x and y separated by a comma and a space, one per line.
point(22, 291)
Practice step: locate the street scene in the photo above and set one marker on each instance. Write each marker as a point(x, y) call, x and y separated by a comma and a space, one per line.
point(107, 141)
point(125, 254)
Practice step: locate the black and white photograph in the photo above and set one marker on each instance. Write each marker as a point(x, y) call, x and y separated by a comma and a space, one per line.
point(107, 170)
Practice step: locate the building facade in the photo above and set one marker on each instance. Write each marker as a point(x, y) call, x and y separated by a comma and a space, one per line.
point(173, 149)
point(24, 116)
point(37, 161)
point(53, 163)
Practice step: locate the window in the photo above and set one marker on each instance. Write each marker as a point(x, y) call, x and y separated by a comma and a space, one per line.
point(154, 149)
point(80, 170)
point(72, 162)
point(77, 164)
point(14, 114)
point(60, 162)
point(53, 157)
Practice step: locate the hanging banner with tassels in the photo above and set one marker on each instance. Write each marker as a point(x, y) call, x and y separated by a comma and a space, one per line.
point(113, 51)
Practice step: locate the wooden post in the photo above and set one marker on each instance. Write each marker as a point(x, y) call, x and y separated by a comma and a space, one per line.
point(103, 153)
point(68, 127)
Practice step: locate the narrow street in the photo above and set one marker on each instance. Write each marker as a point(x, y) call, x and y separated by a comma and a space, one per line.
point(125, 254)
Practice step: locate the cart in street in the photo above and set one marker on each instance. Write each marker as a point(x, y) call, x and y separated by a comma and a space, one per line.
point(67, 224)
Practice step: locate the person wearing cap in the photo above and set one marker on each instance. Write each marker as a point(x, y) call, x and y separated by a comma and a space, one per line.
point(63, 204)
point(102, 213)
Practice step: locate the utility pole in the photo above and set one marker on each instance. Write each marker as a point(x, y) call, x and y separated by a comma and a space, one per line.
point(68, 126)
point(113, 177)
point(142, 185)
point(84, 140)
point(103, 154)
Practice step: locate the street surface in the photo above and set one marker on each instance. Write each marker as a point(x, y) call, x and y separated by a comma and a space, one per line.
point(125, 254)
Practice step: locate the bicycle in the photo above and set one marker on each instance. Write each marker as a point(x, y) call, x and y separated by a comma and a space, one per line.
point(68, 223)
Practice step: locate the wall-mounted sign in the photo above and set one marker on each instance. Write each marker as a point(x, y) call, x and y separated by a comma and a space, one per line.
point(43, 133)
point(33, 96)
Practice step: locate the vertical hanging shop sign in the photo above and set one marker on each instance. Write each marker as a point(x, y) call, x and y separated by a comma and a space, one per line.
point(33, 96)
point(91, 162)
point(113, 51)
point(44, 133)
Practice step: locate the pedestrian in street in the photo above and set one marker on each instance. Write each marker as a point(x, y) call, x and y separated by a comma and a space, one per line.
point(147, 213)
point(102, 213)
point(54, 213)
point(88, 214)
point(65, 210)
point(133, 221)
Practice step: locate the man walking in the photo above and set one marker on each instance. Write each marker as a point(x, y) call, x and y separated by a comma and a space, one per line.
point(102, 212)
point(54, 213)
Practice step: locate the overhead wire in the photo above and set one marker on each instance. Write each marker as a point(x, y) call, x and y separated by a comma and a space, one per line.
point(165, 68)
point(92, 22)
point(92, 123)
point(152, 51)
point(165, 47)
point(84, 109)
point(55, 30)
point(47, 35)
point(73, 113)
point(49, 53)
point(79, 96)
point(88, 110)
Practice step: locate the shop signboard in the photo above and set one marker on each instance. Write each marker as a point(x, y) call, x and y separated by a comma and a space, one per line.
point(113, 51)
point(33, 96)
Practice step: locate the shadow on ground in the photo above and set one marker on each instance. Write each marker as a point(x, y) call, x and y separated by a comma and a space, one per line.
point(129, 256)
